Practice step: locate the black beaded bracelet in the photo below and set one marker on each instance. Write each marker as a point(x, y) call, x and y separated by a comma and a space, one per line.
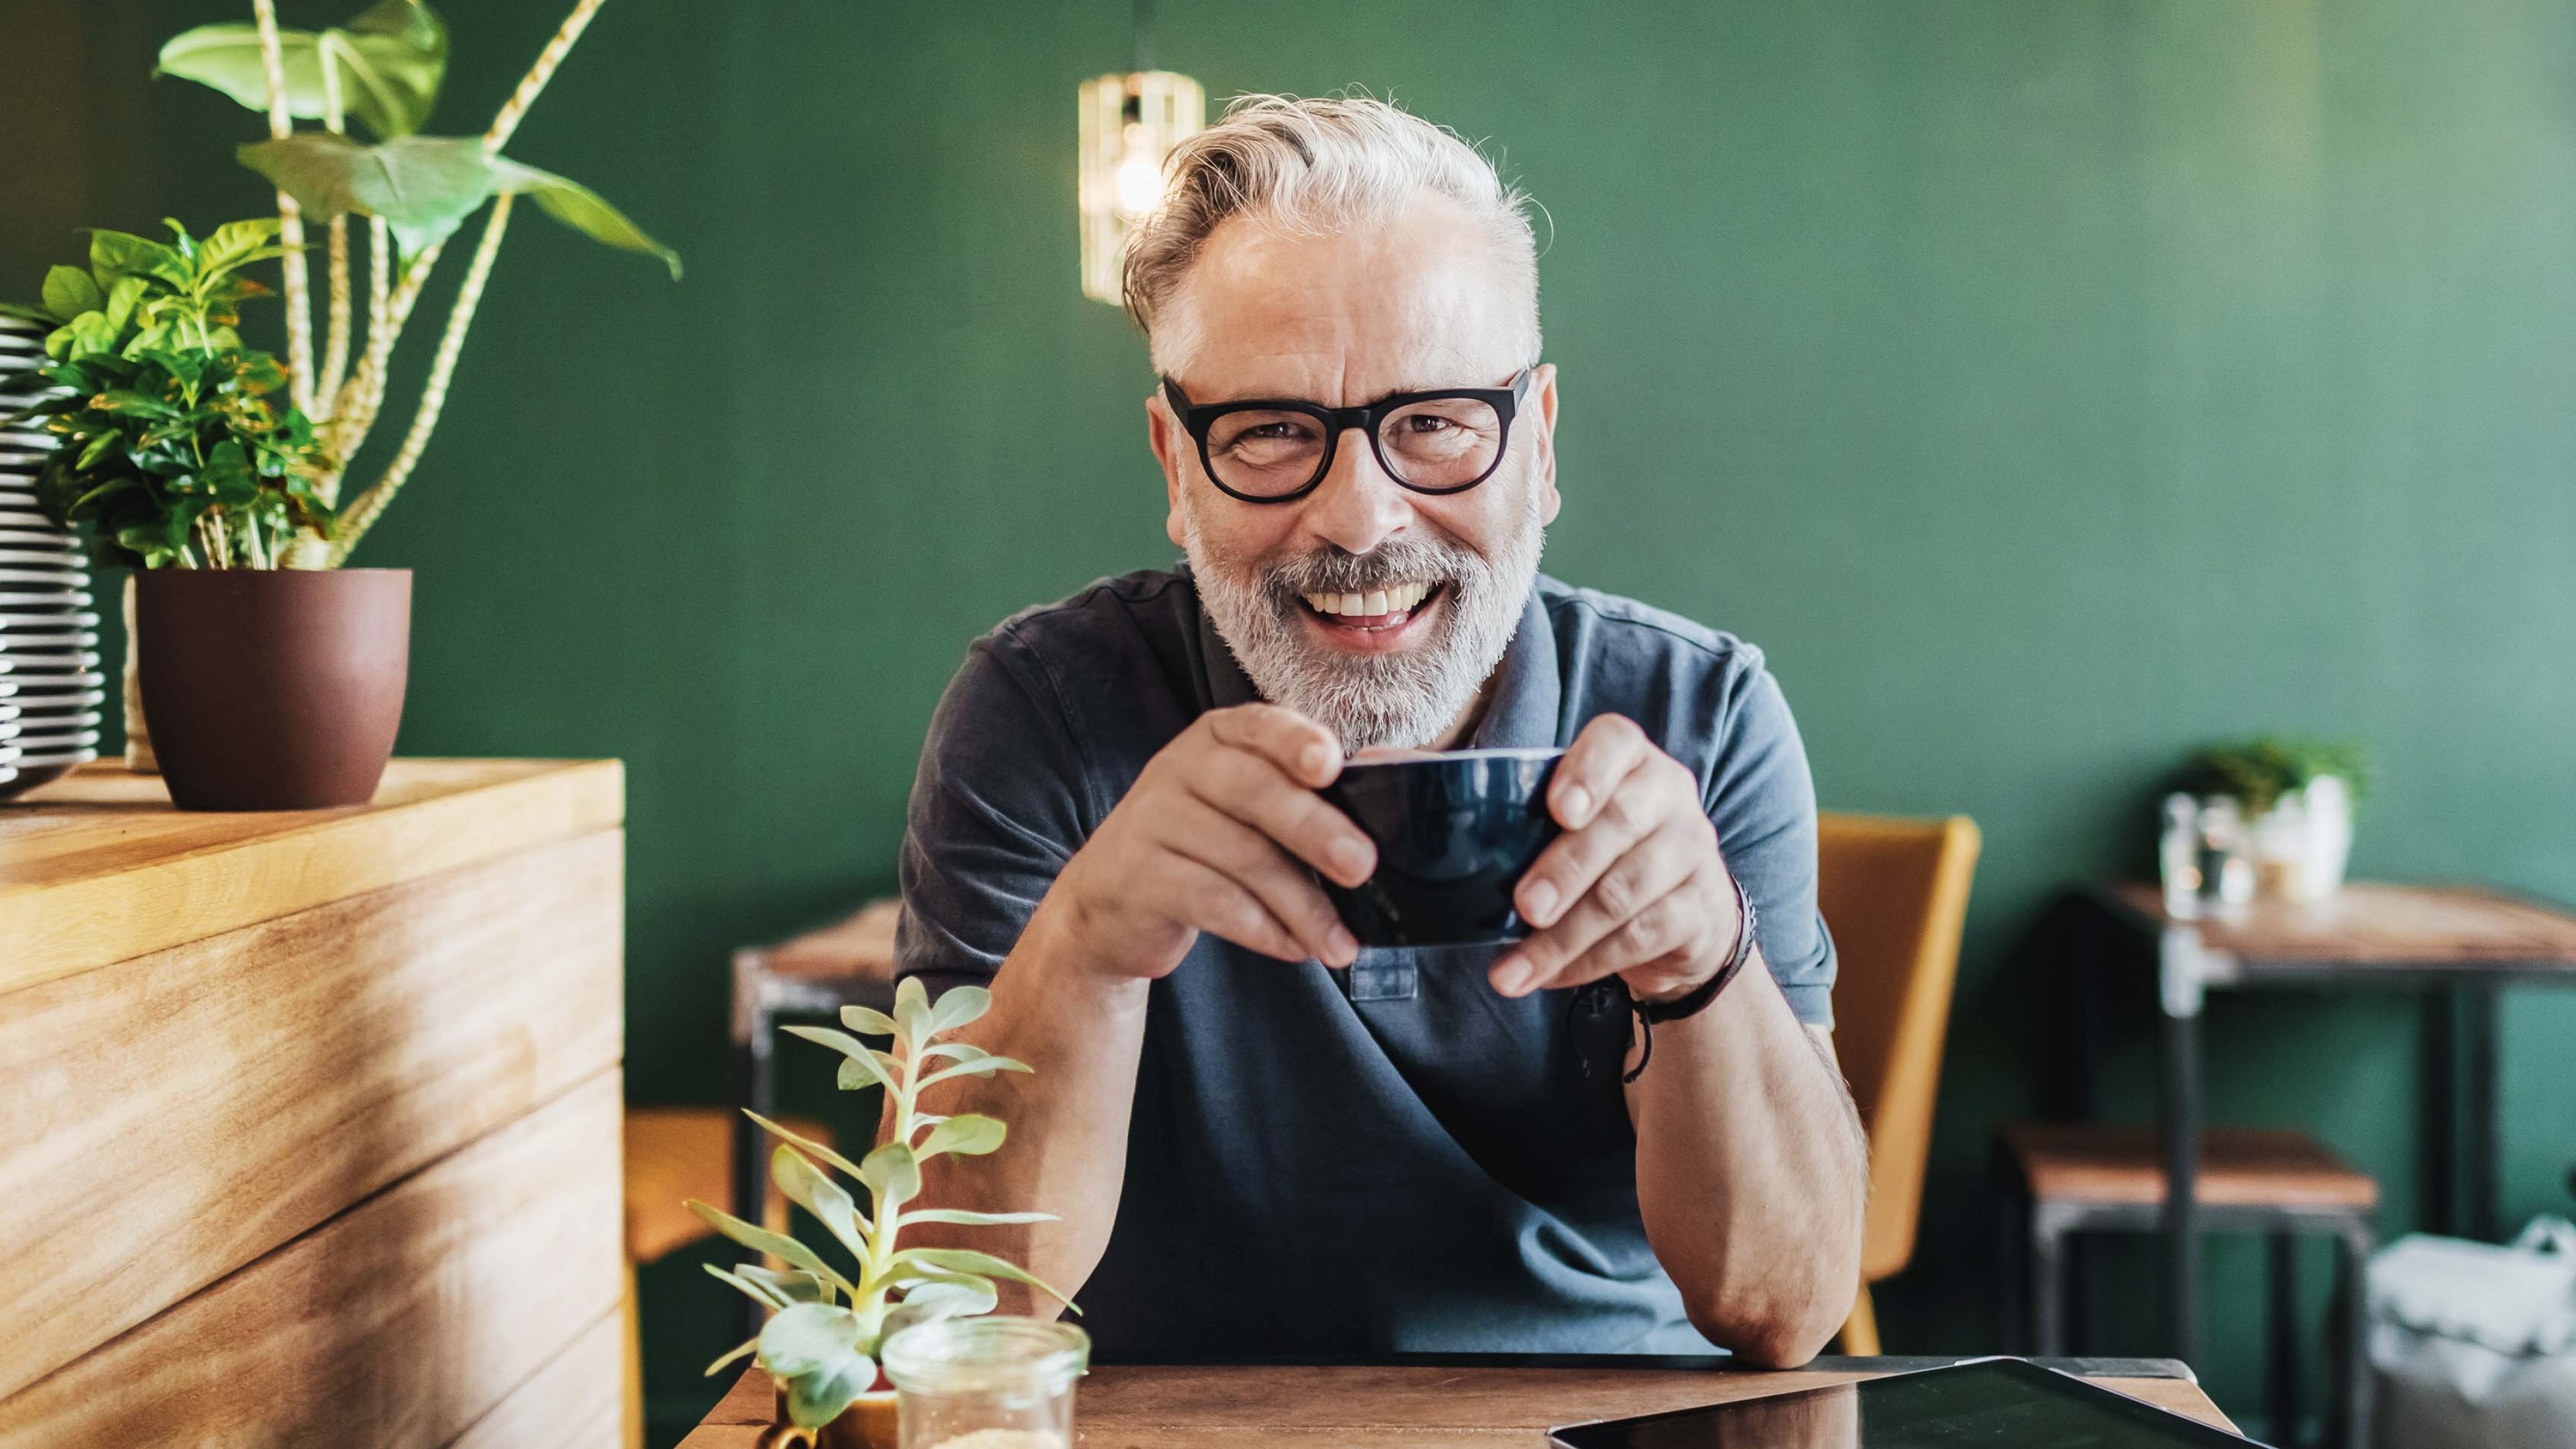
point(1696, 1000)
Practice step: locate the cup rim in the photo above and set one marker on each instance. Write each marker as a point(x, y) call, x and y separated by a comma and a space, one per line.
point(1490, 752)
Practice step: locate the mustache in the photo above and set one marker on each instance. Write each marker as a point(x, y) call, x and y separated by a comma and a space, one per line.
point(1397, 561)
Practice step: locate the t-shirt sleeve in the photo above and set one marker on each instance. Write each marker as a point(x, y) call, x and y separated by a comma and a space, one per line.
point(1763, 802)
point(996, 812)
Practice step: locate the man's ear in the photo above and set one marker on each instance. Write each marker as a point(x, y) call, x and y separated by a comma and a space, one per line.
point(1543, 390)
point(1163, 432)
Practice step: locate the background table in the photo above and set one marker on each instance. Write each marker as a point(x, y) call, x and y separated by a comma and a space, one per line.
point(2462, 942)
point(1477, 1401)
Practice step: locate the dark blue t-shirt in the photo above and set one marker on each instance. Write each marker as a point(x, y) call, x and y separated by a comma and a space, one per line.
point(1390, 1158)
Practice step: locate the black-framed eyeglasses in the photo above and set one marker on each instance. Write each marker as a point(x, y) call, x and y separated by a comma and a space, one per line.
point(1277, 450)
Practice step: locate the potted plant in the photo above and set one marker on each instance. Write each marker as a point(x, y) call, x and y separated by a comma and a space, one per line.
point(826, 1326)
point(2296, 799)
point(274, 675)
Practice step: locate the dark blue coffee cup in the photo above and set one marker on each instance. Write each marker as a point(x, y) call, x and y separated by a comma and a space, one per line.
point(1455, 832)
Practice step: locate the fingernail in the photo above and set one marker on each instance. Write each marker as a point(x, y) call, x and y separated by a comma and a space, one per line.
point(1541, 909)
point(1574, 804)
point(1349, 858)
point(1511, 975)
point(1346, 947)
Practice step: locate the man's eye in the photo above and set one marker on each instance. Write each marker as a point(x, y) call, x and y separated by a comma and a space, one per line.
point(1268, 432)
point(1427, 423)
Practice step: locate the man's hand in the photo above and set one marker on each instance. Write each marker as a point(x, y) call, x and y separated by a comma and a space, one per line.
point(1211, 838)
point(1634, 886)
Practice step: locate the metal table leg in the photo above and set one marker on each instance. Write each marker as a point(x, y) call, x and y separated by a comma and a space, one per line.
point(2178, 1110)
point(2483, 1127)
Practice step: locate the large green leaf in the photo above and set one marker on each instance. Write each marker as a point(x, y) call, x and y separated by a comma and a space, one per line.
point(866, 1065)
point(391, 60)
point(69, 292)
point(968, 1134)
point(818, 1149)
point(807, 1187)
point(423, 186)
point(958, 1006)
point(786, 1288)
point(804, 1337)
point(967, 1260)
point(866, 1020)
point(777, 1245)
point(816, 1399)
point(967, 1218)
point(912, 1010)
point(893, 1173)
point(579, 207)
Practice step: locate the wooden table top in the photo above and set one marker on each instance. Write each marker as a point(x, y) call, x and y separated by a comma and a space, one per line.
point(2368, 926)
point(77, 854)
point(1416, 1407)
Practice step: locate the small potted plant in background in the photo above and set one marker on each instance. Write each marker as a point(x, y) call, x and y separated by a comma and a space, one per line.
point(2295, 798)
point(274, 676)
point(825, 1337)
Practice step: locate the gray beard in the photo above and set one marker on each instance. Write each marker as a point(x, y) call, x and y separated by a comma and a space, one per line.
point(1405, 698)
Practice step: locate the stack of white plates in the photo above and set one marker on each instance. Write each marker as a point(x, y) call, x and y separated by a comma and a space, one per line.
point(51, 691)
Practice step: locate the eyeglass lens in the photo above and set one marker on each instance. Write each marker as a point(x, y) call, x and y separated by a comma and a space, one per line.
point(1436, 443)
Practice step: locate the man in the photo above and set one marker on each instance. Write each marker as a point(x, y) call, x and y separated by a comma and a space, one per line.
point(1255, 1149)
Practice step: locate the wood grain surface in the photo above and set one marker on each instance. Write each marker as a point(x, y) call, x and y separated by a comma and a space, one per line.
point(98, 867)
point(2368, 924)
point(401, 1323)
point(167, 1120)
point(570, 1402)
point(1419, 1408)
point(2239, 1166)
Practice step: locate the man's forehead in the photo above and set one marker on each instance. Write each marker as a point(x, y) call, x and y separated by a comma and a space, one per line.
point(1417, 301)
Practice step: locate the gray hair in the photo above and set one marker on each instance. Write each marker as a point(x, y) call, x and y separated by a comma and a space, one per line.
point(1314, 166)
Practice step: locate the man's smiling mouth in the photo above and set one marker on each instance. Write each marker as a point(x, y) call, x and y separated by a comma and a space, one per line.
point(1379, 616)
point(1372, 606)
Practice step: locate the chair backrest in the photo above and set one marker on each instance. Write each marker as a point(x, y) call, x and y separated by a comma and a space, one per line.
point(1894, 893)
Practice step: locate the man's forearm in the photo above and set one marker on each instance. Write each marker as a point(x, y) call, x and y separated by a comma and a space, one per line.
point(1081, 1033)
point(1751, 1173)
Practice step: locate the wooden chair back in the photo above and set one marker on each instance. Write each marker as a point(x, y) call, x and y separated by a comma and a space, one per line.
point(1894, 893)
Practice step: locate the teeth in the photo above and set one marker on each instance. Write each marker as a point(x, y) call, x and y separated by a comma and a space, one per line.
point(1374, 603)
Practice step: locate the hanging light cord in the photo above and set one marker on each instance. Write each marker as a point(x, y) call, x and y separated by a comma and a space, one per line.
point(1143, 36)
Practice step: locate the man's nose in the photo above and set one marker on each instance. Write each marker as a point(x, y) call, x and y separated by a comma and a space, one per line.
point(1357, 506)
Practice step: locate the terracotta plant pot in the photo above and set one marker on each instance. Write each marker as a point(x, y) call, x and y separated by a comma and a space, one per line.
point(869, 1423)
point(273, 689)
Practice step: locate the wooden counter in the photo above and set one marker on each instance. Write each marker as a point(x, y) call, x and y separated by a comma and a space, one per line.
point(309, 1122)
point(1419, 1407)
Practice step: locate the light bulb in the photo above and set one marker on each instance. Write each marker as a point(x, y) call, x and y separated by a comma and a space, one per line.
point(1140, 172)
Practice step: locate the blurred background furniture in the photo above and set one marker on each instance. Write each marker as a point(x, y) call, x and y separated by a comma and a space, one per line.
point(1894, 893)
point(2461, 942)
point(674, 1154)
point(309, 1120)
point(2084, 1177)
point(848, 963)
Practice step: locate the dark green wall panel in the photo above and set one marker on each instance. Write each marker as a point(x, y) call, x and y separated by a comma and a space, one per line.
point(2047, 387)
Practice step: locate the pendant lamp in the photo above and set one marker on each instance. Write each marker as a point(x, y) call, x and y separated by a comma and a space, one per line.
point(1129, 123)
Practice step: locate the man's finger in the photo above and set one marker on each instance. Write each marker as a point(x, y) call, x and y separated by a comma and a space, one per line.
point(1632, 810)
point(1639, 876)
point(1208, 900)
point(1254, 790)
point(1600, 757)
point(1676, 923)
point(1309, 753)
point(1255, 862)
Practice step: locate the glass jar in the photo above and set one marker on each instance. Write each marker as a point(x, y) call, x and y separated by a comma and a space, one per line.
point(987, 1383)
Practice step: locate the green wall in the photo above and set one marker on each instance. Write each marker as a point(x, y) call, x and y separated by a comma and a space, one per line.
point(2047, 386)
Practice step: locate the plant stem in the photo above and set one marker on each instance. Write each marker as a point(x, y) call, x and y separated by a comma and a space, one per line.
point(433, 397)
point(535, 80)
point(364, 394)
point(290, 218)
point(335, 353)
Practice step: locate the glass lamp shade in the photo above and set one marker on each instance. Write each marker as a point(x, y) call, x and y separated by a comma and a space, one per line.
point(1129, 124)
